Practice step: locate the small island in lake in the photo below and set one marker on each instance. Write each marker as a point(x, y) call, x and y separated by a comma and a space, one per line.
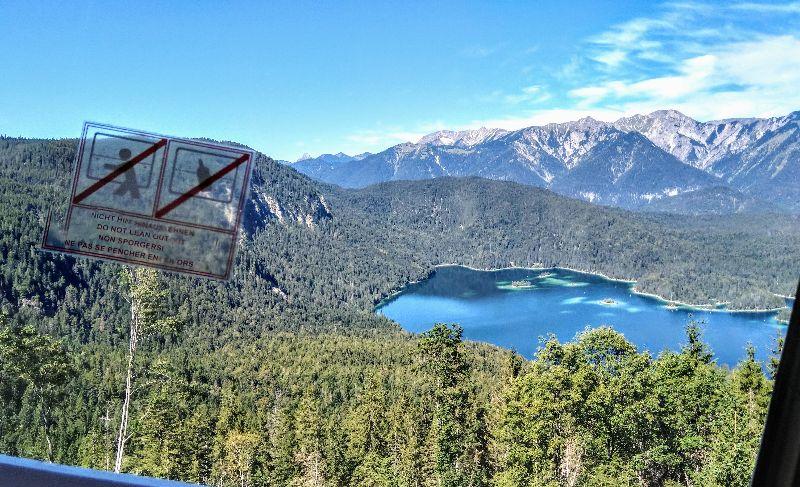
point(521, 283)
point(493, 310)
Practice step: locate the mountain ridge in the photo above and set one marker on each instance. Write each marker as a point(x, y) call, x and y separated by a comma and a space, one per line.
point(547, 155)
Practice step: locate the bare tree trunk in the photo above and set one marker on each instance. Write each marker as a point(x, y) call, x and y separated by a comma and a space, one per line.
point(106, 445)
point(46, 425)
point(122, 436)
point(571, 462)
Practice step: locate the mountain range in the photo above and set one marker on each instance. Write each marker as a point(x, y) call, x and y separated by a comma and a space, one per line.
point(662, 161)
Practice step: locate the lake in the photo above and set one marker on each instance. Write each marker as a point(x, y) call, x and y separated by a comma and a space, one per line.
point(512, 308)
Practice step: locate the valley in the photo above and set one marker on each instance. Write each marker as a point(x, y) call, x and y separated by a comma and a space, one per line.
point(288, 364)
point(384, 244)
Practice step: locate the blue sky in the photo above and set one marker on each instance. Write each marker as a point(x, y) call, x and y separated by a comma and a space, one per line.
point(294, 77)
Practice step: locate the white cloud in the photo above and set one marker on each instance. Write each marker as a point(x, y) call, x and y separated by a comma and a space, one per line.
point(529, 94)
point(694, 74)
point(625, 35)
point(612, 58)
point(768, 61)
point(378, 139)
point(768, 7)
point(688, 26)
point(710, 62)
point(758, 77)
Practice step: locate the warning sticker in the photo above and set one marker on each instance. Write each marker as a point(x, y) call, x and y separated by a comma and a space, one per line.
point(146, 199)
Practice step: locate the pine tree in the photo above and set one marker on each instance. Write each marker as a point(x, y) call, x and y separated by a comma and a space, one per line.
point(44, 368)
point(737, 430)
point(690, 389)
point(309, 434)
point(695, 348)
point(775, 356)
point(282, 443)
point(239, 460)
point(450, 432)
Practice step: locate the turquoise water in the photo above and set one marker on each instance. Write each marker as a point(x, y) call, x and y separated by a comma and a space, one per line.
point(492, 308)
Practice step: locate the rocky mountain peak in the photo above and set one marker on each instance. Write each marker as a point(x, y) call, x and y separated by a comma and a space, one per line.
point(646, 157)
point(461, 138)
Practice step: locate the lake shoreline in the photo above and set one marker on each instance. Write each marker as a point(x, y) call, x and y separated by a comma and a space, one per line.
point(566, 302)
point(699, 307)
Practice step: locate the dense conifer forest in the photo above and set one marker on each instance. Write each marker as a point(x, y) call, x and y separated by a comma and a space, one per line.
point(285, 376)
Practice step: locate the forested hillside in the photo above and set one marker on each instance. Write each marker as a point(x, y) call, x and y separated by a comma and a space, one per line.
point(284, 376)
point(713, 201)
point(741, 259)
